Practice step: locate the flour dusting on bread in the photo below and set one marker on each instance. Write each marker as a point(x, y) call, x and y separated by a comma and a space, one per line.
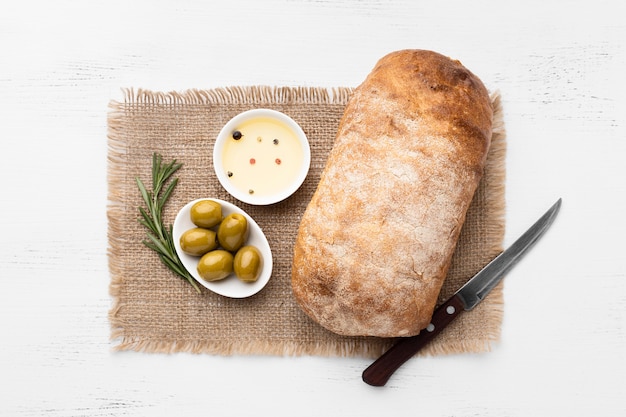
point(376, 240)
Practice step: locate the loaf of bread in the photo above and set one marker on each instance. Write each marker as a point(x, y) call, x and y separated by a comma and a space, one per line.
point(376, 240)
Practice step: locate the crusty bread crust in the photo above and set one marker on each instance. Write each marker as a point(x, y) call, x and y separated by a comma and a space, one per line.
point(376, 240)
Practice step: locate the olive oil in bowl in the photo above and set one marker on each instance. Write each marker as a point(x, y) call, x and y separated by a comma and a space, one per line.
point(261, 156)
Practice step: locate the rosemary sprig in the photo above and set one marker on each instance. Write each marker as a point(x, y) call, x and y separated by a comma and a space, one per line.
point(159, 236)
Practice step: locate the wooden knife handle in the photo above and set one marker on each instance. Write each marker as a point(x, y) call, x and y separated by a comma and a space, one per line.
point(379, 372)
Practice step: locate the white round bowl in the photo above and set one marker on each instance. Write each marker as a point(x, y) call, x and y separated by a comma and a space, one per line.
point(257, 168)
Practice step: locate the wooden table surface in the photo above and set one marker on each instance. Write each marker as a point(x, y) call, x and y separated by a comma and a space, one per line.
point(558, 67)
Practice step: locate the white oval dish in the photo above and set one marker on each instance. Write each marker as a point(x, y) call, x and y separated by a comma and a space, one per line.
point(258, 161)
point(230, 286)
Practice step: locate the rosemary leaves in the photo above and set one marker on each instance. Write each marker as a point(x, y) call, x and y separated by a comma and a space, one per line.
point(159, 236)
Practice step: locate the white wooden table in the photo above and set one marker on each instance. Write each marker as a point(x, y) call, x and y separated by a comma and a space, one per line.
point(558, 66)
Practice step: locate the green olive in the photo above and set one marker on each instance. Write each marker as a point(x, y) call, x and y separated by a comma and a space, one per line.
point(198, 241)
point(248, 263)
point(206, 213)
point(232, 232)
point(215, 265)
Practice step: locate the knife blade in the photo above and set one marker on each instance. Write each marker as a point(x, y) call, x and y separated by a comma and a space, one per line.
point(465, 299)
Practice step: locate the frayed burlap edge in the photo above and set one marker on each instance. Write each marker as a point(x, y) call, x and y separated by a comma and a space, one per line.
point(226, 348)
point(240, 95)
point(278, 95)
point(116, 159)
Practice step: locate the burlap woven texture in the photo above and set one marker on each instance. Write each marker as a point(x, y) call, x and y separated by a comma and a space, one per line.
point(155, 311)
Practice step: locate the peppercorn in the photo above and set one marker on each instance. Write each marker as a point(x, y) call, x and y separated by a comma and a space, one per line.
point(237, 135)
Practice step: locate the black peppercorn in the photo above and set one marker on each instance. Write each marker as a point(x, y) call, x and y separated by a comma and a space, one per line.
point(237, 135)
point(275, 141)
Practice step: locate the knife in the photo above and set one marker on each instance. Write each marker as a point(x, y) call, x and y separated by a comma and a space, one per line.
point(465, 299)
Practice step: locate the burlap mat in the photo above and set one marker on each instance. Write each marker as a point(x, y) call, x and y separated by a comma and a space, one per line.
point(155, 311)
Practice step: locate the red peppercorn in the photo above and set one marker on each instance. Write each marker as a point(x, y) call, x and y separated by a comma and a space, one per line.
point(252, 161)
point(278, 161)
